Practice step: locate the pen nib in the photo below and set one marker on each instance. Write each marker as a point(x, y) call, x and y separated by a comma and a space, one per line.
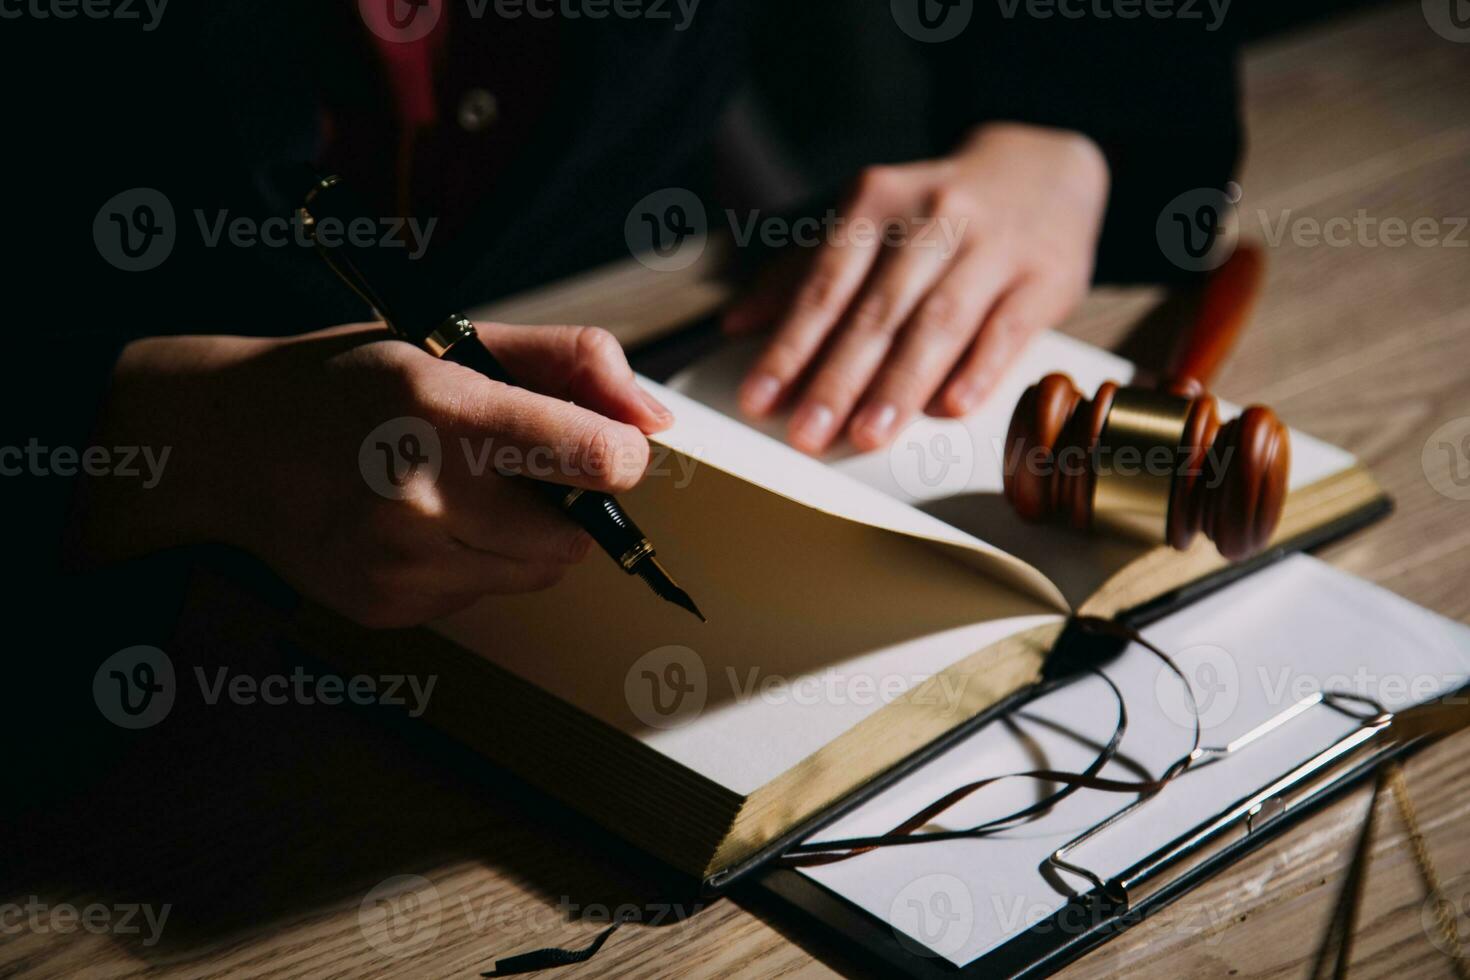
point(663, 586)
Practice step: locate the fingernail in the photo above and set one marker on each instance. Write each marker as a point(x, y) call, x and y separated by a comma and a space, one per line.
point(811, 427)
point(656, 407)
point(875, 422)
point(964, 398)
point(759, 393)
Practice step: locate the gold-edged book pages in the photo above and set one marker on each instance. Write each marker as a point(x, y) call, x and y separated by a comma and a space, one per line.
point(615, 779)
point(846, 631)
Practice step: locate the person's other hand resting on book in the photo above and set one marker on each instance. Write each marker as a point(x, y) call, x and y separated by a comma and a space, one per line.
point(985, 248)
point(271, 452)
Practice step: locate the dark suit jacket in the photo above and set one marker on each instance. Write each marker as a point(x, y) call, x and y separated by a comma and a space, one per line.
point(203, 104)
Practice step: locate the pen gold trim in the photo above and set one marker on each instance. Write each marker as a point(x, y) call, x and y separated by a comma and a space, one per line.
point(598, 513)
point(447, 334)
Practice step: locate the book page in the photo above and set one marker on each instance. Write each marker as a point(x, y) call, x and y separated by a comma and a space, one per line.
point(1250, 652)
point(708, 438)
point(953, 468)
point(816, 621)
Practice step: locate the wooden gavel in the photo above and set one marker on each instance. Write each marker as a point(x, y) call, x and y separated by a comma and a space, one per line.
point(1156, 463)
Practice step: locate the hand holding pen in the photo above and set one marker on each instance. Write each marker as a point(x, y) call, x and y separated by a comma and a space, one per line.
point(316, 502)
point(363, 470)
point(415, 312)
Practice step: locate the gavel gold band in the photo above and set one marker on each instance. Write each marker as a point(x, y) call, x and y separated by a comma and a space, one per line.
point(1138, 453)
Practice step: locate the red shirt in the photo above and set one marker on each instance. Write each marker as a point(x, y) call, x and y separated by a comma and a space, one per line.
point(458, 97)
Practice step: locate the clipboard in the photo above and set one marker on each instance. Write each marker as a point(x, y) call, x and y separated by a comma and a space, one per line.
point(1072, 648)
point(1109, 903)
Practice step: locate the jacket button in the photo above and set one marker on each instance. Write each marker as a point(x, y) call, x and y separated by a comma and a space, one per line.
point(478, 110)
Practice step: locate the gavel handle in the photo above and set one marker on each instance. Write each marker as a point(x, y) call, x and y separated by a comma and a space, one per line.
point(1225, 308)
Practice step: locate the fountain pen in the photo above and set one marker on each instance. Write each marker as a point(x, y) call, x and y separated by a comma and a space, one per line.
point(381, 276)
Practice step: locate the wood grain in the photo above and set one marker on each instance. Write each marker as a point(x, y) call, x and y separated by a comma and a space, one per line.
point(265, 833)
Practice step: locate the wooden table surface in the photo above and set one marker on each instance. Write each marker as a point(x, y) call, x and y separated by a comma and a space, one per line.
point(264, 831)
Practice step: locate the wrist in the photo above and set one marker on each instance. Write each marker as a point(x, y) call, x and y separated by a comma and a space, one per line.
point(170, 403)
point(1074, 152)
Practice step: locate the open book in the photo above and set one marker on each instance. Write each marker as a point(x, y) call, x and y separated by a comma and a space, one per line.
point(859, 609)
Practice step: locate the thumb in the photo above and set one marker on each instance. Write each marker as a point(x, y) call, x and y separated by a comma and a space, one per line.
point(582, 364)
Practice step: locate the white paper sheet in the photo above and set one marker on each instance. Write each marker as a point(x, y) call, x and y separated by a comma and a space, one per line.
point(1250, 652)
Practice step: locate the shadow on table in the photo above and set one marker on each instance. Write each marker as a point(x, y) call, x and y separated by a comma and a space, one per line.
point(243, 817)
